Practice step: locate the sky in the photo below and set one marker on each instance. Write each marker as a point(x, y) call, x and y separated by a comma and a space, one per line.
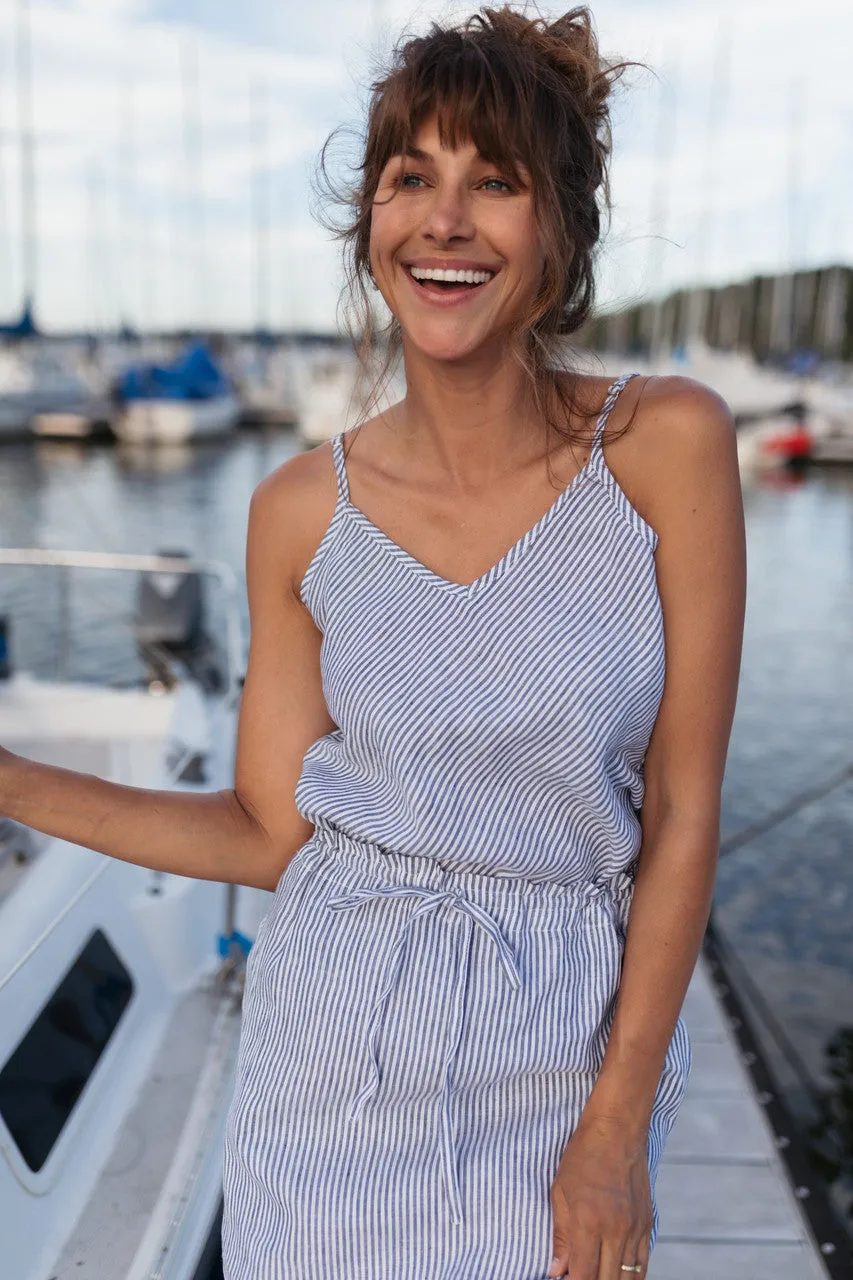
point(176, 142)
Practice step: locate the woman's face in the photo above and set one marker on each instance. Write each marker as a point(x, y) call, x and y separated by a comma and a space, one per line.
point(453, 211)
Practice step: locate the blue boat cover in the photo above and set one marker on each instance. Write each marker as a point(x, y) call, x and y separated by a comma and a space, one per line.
point(26, 327)
point(194, 375)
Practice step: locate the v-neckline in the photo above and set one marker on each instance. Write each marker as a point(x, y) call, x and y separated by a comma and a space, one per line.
point(497, 569)
point(513, 553)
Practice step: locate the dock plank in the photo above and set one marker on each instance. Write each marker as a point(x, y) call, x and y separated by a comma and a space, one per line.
point(727, 1209)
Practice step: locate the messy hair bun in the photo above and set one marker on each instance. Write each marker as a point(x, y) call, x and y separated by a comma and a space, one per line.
point(523, 90)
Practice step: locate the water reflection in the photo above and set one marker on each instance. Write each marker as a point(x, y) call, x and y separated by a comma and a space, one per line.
point(783, 897)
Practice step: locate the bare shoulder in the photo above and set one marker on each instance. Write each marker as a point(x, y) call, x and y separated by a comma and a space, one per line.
point(291, 508)
point(683, 413)
point(680, 444)
point(672, 413)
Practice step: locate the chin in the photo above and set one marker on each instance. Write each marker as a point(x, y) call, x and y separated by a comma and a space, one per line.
point(444, 353)
point(448, 346)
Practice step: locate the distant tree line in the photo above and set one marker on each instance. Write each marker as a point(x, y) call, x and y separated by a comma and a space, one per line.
point(805, 315)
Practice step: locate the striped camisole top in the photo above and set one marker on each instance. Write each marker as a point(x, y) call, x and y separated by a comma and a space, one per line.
point(498, 726)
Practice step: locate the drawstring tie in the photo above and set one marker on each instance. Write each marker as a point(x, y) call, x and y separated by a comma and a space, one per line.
point(433, 899)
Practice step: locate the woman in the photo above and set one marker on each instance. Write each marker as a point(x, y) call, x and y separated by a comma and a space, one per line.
point(495, 645)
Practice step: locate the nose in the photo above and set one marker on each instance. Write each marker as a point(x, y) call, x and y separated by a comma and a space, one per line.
point(449, 216)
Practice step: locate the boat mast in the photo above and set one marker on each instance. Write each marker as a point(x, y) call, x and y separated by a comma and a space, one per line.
point(92, 246)
point(661, 194)
point(797, 225)
point(193, 161)
point(126, 240)
point(260, 192)
point(6, 258)
point(717, 101)
point(26, 138)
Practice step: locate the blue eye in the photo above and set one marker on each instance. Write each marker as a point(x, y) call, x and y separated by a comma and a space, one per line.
point(410, 180)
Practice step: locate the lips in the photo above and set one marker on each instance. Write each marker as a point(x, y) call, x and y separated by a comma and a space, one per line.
point(443, 293)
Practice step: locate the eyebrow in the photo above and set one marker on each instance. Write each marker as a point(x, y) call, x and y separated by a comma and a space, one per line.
point(426, 157)
point(415, 153)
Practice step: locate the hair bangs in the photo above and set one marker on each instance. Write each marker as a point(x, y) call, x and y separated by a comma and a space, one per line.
point(474, 97)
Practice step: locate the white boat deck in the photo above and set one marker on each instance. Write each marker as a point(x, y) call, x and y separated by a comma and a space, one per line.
point(133, 1192)
point(727, 1208)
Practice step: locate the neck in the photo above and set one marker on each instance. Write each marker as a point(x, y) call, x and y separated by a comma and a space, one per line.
point(470, 420)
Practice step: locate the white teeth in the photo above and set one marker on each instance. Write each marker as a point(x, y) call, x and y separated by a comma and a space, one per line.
point(451, 276)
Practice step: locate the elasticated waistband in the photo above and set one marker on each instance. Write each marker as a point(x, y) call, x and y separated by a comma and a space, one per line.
point(378, 864)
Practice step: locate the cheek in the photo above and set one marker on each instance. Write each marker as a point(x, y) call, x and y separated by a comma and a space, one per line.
point(531, 249)
point(388, 230)
point(537, 261)
point(517, 237)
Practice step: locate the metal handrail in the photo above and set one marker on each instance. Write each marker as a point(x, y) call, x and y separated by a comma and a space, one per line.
point(132, 563)
point(137, 564)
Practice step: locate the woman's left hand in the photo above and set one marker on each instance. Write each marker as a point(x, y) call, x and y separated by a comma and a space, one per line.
point(602, 1202)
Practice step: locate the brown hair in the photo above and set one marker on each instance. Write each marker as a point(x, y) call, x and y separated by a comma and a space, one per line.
point(521, 89)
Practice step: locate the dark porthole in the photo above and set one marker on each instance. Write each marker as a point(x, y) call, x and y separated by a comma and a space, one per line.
point(47, 1072)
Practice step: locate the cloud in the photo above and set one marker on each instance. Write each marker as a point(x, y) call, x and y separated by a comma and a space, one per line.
point(151, 168)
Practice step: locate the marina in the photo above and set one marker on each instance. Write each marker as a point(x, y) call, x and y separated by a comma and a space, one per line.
point(133, 431)
point(784, 884)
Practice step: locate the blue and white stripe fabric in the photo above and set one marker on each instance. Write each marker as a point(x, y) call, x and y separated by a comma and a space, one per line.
point(428, 1001)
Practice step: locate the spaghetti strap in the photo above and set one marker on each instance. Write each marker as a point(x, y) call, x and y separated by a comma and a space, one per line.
point(340, 466)
point(610, 400)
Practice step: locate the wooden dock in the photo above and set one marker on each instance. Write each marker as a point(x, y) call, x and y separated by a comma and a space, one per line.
point(727, 1207)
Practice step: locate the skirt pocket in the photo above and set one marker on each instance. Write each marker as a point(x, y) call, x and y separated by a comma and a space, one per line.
point(586, 989)
point(558, 1019)
point(275, 930)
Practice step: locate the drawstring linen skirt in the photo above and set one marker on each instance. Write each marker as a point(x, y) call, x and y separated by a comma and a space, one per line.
point(417, 1047)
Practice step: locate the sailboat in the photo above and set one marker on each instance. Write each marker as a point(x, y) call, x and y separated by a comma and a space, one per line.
point(120, 988)
point(264, 373)
point(329, 397)
point(41, 392)
point(38, 389)
point(171, 403)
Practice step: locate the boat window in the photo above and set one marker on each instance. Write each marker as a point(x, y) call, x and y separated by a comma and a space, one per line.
point(42, 1080)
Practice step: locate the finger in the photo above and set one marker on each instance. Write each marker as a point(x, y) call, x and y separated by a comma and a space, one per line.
point(636, 1251)
point(613, 1253)
point(583, 1263)
point(559, 1242)
point(560, 1261)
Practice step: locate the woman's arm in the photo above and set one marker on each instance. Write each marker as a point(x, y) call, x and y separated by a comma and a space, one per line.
point(697, 510)
point(246, 834)
point(601, 1194)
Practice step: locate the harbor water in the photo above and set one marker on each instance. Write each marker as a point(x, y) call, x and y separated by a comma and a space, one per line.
point(784, 890)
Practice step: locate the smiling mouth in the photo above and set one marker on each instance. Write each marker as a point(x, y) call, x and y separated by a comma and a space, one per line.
point(435, 280)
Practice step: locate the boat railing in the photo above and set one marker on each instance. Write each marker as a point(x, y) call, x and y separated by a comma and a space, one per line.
point(70, 560)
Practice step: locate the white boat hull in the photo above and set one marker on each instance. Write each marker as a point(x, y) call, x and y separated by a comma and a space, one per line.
point(15, 414)
point(40, 382)
point(176, 421)
point(65, 425)
point(330, 399)
point(112, 1167)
